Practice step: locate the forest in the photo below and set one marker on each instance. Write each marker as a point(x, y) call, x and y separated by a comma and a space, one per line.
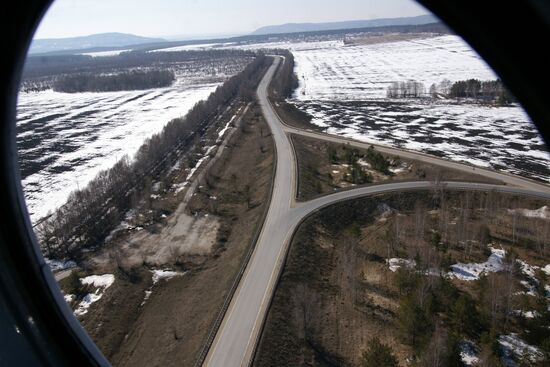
point(127, 80)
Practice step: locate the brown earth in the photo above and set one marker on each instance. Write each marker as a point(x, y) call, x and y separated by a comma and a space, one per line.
point(336, 292)
point(171, 326)
point(317, 175)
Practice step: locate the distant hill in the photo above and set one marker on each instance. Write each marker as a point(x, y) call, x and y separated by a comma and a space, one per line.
point(313, 27)
point(87, 42)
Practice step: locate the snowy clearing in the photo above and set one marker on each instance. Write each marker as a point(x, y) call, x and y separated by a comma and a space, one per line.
point(101, 282)
point(473, 271)
point(512, 346)
point(395, 263)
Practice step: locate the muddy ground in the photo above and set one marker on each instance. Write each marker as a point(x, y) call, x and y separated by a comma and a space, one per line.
point(205, 239)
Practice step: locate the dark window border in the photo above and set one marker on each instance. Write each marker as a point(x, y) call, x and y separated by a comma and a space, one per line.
point(36, 325)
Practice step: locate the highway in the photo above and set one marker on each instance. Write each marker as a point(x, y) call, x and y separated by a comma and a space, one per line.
point(239, 332)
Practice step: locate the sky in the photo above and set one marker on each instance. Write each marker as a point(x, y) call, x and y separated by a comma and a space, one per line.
point(202, 18)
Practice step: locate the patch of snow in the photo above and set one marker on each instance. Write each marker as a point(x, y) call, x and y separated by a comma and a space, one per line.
point(199, 162)
point(546, 269)
point(528, 270)
point(101, 282)
point(156, 186)
point(531, 290)
point(202, 46)
point(164, 274)
point(399, 169)
point(147, 295)
point(526, 314)
point(512, 346)
point(58, 265)
point(69, 298)
point(105, 53)
point(395, 263)
point(224, 129)
point(468, 353)
point(472, 271)
point(542, 212)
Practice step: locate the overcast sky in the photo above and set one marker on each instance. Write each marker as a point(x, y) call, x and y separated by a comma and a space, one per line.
point(176, 18)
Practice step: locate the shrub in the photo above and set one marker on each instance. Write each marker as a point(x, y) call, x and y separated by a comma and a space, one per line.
point(379, 355)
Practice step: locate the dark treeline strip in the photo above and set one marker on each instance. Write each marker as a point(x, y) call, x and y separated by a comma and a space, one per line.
point(486, 91)
point(47, 66)
point(408, 89)
point(90, 214)
point(127, 80)
point(286, 81)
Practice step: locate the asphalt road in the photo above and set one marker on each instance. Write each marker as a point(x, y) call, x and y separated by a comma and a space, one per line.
point(503, 177)
point(239, 332)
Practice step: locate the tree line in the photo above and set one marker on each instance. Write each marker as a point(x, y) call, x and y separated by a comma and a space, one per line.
point(485, 90)
point(91, 213)
point(286, 81)
point(408, 89)
point(41, 66)
point(40, 72)
point(127, 80)
point(488, 91)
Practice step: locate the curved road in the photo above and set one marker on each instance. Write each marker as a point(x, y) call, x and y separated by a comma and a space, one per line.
point(238, 334)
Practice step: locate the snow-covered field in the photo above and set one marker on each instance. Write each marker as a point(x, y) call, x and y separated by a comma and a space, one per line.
point(105, 53)
point(498, 137)
point(194, 47)
point(344, 88)
point(335, 71)
point(65, 139)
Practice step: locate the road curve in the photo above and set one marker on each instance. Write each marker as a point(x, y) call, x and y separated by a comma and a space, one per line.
point(238, 334)
point(503, 177)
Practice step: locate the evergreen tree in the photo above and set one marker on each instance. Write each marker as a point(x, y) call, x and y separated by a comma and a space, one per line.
point(379, 355)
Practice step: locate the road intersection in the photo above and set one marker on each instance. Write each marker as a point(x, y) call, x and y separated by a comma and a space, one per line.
point(236, 339)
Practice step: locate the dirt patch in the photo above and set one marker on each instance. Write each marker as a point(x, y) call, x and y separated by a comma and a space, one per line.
point(336, 291)
point(325, 167)
point(184, 234)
